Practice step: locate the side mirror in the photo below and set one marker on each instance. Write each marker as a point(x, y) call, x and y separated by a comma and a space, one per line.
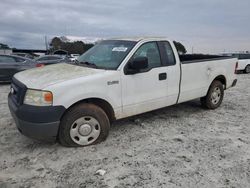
point(136, 65)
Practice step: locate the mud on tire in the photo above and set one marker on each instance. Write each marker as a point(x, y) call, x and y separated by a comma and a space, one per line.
point(214, 97)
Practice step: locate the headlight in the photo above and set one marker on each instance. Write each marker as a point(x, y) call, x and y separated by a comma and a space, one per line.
point(38, 98)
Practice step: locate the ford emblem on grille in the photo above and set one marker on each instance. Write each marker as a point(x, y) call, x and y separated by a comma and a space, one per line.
point(12, 91)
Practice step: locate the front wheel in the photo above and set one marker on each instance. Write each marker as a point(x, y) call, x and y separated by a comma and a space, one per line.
point(83, 125)
point(247, 69)
point(214, 97)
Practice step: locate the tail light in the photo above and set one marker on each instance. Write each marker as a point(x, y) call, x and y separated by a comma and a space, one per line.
point(236, 67)
point(40, 65)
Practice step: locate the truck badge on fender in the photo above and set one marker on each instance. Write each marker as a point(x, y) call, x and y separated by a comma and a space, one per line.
point(113, 82)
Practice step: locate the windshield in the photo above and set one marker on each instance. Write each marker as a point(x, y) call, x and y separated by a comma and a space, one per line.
point(107, 54)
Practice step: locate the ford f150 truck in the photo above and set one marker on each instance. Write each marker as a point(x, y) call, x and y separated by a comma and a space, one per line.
point(116, 78)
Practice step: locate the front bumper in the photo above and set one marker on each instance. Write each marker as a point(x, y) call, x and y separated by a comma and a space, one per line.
point(37, 122)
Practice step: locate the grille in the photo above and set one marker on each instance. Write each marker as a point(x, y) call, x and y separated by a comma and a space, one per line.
point(18, 91)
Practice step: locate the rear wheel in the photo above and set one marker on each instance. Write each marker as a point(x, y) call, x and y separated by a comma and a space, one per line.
point(247, 69)
point(214, 97)
point(83, 125)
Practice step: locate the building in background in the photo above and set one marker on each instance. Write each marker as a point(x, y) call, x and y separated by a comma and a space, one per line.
point(5, 49)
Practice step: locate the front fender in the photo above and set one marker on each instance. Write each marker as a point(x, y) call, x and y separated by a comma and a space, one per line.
point(73, 91)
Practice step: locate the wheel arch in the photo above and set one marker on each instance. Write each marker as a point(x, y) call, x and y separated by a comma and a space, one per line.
point(222, 79)
point(103, 104)
point(245, 70)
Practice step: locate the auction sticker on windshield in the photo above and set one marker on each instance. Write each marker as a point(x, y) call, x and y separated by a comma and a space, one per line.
point(119, 49)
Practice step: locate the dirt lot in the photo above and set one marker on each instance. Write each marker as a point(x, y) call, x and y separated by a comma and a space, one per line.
point(178, 146)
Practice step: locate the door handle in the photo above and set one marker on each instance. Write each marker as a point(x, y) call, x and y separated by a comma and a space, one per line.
point(163, 76)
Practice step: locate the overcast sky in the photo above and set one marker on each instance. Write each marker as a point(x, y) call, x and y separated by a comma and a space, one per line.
point(210, 26)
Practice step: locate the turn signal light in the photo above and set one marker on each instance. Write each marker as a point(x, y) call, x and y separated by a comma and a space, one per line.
point(48, 97)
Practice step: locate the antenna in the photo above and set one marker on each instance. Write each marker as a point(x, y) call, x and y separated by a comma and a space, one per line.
point(46, 43)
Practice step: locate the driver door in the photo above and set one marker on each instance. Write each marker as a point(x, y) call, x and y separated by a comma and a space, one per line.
point(147, 89)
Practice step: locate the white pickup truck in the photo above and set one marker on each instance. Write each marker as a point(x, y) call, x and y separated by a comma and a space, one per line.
point(243, 62)
point(116, 78)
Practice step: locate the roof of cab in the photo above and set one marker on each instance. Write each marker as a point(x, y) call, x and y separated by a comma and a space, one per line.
point(137, 39)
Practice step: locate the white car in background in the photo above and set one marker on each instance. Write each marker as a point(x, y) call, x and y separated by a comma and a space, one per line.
point(73, 57)
point(244, 61)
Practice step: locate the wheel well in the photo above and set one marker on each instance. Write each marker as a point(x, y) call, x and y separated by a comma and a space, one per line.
point(222, 79)
point(108, 109)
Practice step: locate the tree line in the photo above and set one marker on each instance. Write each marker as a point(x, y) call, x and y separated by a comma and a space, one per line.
point(79, 47)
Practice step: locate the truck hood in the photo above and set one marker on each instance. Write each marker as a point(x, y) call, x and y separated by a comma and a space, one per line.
point(41, 77)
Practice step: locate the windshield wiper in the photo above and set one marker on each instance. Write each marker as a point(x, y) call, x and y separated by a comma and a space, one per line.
point(86, 63)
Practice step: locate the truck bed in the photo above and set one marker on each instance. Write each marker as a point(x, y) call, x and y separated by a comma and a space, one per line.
point(198, 72)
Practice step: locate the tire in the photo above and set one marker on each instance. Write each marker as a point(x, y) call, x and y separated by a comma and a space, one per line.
point(214, 97)
point(83, 125)
point(247, 69)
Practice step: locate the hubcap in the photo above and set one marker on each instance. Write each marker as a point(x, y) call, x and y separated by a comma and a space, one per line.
point(85, 130)
point(216, 95)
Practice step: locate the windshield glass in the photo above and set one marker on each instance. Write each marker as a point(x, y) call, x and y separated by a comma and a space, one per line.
point(107, 54)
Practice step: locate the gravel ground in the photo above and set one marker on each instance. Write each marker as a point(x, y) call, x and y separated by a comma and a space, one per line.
point(178, 146)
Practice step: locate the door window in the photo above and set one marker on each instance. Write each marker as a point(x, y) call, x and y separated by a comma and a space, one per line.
point(149, 50)
point(20, 60)
point(54, 58)
point(170, 58)
point(7, 59)
point(42, 59)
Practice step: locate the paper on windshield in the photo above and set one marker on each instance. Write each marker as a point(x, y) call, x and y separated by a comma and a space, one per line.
point(119, 49)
